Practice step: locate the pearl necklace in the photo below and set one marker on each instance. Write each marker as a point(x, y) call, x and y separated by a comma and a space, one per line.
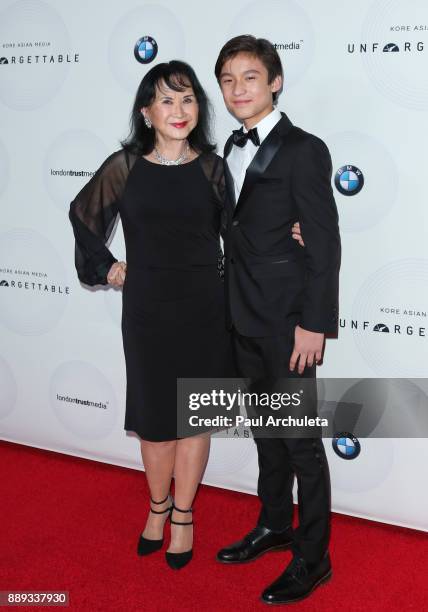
point(170, 162)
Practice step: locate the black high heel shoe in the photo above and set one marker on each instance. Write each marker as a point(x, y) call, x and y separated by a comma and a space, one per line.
point(145, 546)
point(179, 560)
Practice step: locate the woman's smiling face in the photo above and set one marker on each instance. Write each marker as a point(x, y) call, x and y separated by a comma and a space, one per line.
point(173, 114)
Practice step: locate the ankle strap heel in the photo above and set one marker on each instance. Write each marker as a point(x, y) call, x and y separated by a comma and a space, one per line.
point(158, 503)
point(174, 507)
point(179, 560)
point(146, 546)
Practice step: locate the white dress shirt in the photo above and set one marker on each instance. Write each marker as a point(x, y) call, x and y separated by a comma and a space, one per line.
point(240, 158)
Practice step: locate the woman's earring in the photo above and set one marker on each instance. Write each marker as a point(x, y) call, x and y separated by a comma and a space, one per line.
point(147, 122)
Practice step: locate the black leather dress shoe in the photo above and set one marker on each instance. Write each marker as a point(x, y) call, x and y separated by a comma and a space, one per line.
point(297, 582)
point(254, 544)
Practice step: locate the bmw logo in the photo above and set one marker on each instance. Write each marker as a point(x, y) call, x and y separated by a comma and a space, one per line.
point(145, 50)
point(349, 180)
point(346, 445)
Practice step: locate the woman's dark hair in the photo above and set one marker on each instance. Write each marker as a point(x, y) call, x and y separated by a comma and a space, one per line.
point(176, 75)
point(261, 48)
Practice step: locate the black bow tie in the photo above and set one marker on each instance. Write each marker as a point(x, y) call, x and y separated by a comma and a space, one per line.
point(240, 138)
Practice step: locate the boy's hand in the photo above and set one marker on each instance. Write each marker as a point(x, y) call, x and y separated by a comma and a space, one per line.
point(308, 348)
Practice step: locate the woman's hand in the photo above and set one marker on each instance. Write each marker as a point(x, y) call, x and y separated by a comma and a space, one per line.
point(117, 273)
point(297, 234)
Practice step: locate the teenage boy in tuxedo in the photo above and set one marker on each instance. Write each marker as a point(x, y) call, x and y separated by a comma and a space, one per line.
point(281, 299)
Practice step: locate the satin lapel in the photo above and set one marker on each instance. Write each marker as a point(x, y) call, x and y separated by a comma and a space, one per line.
point(267, 151)
point(230, 187)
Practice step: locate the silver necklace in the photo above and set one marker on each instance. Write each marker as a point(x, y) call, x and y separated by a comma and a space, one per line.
point(171, 162)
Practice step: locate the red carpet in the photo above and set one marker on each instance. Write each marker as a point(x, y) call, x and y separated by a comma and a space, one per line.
point(72, 524)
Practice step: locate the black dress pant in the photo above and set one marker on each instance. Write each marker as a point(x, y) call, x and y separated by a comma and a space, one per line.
point(280, 459)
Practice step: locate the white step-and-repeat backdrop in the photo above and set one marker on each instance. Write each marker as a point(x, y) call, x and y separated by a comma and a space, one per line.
point(356, 74)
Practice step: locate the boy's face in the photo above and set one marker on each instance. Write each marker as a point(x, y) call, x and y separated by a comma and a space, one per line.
point(245, 88)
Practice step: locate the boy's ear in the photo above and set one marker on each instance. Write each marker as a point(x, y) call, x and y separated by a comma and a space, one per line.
point(276, 84)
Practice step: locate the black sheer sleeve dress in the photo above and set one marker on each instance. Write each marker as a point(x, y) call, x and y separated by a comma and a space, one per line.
point(173, 311)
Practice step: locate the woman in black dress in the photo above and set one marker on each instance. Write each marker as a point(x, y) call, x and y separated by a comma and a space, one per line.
point(165, 183)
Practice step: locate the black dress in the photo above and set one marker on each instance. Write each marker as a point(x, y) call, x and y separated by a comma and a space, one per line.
point(173, 315)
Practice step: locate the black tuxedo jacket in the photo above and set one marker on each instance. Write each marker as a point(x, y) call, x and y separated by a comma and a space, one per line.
point(272, 283)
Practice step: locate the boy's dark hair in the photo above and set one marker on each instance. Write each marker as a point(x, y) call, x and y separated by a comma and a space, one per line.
point(261, 48)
